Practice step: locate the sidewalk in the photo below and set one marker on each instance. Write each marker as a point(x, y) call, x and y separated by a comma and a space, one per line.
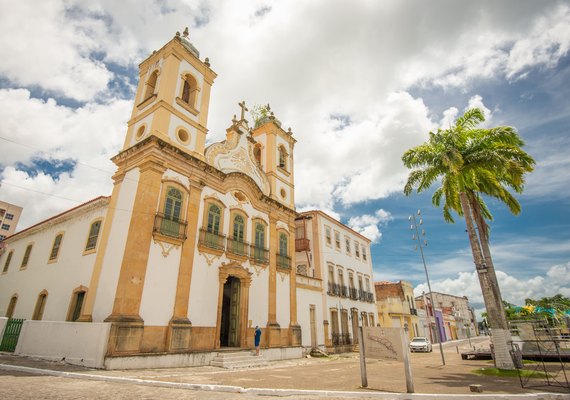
point(300, 378)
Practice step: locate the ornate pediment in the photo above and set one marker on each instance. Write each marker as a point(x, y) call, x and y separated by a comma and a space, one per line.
point(235, 154)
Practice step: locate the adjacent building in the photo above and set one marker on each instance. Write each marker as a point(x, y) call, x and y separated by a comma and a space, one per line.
point(397, 307)
point(9, 217)
point(334, 281)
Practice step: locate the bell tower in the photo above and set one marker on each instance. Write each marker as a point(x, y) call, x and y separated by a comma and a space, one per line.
point(173, 97)
point(274, 152)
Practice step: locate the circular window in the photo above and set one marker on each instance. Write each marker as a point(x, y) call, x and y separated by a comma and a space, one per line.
point(182, 135)
point(140, 132)
point(283, 193)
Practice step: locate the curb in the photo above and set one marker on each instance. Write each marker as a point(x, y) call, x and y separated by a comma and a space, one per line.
point(281, 392)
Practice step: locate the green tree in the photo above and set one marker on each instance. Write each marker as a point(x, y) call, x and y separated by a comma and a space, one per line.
point(470, 162)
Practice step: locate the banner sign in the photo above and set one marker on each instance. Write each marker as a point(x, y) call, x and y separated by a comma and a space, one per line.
point(383, 343)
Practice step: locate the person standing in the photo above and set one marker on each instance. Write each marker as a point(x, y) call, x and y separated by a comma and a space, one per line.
point(257, 339)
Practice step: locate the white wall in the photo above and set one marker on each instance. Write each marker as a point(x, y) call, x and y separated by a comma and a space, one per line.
point(3, 322)
point(79, 343)
point(305, 298)
point(71, 269)
point(115, 247)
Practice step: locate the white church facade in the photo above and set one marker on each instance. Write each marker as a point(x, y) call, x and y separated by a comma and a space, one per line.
point(195, 246)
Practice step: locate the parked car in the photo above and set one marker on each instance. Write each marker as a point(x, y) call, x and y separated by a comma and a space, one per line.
point(420, 344)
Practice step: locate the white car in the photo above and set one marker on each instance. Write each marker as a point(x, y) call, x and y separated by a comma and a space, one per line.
point(420, 344)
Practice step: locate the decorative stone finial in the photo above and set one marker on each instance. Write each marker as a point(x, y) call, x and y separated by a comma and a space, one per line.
point(234, 119)
point(185, 33)
point(289, 131)
point(271, 115)
point(268, 107)
point(207, 61)
point(177, 33)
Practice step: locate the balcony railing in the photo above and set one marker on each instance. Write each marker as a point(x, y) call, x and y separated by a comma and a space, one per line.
point(369, 297)
point(259, 255)
point(283, 262)
point(339, 339)
point(212, 240)
point(237, 247)
point(344, 291)
point(353, 292)
point(413, 311)
point(330, 290)
point(302, 245)
point(361, 295)
point(169, 226)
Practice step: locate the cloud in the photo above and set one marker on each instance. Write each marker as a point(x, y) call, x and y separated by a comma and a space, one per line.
point(513, 290)
point(36, 132)
point(369, 225)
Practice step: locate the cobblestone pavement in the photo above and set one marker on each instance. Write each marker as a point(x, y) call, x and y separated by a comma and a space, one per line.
point(336, 373)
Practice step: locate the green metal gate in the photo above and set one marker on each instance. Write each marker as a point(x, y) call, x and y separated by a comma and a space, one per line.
point(11, 334)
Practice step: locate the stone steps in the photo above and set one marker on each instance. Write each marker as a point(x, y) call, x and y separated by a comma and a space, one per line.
point(239, 359)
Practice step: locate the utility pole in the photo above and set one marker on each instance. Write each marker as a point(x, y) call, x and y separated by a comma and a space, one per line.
point(416, 236)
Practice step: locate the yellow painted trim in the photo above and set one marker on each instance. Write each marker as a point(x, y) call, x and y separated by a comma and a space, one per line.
point(73, 301)
point(94, 249)
point(54, 260)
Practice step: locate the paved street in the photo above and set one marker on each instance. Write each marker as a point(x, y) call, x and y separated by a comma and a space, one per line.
point(336, 373)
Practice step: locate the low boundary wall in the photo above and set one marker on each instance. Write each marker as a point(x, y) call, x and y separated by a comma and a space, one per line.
point(78, 343)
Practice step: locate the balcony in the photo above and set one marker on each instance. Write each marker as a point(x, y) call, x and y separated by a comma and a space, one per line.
point(283, 262)
point(369, 297)
point(361, 295)
point(344, 291)
point(413, 311)
point(259, 255)
point(168, 226)
point(237, 247)
point(302, 245)
point(212, 240)
point(330, 290)
point(353, 293)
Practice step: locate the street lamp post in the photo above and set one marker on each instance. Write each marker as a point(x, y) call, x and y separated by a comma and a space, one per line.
point(416, 236)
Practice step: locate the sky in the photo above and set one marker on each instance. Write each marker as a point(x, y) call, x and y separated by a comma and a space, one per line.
point(358, 82)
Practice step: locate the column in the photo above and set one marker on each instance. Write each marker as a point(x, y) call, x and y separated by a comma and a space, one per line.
point(127, 329)
point(273, 328)
point(179, 330)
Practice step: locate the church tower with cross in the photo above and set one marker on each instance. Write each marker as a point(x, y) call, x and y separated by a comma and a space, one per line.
point(173, 97)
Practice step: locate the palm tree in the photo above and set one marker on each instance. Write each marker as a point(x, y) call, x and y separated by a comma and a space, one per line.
point(471, 162)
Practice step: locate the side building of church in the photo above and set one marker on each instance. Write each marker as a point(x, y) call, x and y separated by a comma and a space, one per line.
point(195, 246)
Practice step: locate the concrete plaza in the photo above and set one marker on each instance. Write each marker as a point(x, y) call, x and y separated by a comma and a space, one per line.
point(337, 376)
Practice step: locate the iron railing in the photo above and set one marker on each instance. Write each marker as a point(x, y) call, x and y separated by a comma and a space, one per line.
point(211, 239)
point(259, 255)
point(353, 293)
point(168, 226)
point(237, 247)
point(283, 262)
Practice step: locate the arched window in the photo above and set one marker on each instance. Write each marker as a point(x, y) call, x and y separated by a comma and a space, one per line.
point(189, 90)
point(282, 157)
point(173, 204)
point(40, 306)
point(8, 259)
point(259, 235)
point(283, 244)
point(76, 304)
point(238, 231)
point(55, 248)
point(283, 260)
point(93, 235)
point(12, 306)
point(26, 257)
point(214, 215)
point(151, 85)
point(170, 224)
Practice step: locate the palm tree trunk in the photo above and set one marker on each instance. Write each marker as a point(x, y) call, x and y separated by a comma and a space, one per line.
point(489, 289)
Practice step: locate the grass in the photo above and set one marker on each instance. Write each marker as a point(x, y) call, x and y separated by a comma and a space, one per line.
point(509, 373)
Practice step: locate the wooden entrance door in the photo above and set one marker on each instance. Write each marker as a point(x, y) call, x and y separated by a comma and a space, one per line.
point(234, 313)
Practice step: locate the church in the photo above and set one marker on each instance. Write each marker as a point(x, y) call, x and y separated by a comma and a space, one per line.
point(193, 249)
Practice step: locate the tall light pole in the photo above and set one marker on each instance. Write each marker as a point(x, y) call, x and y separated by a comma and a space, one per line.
point(416, 236)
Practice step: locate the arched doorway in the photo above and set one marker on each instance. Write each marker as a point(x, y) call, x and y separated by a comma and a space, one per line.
point(230, 318)
point(233, 301)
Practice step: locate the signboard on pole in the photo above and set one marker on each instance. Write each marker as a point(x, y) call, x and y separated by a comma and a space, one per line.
point(383, 343)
